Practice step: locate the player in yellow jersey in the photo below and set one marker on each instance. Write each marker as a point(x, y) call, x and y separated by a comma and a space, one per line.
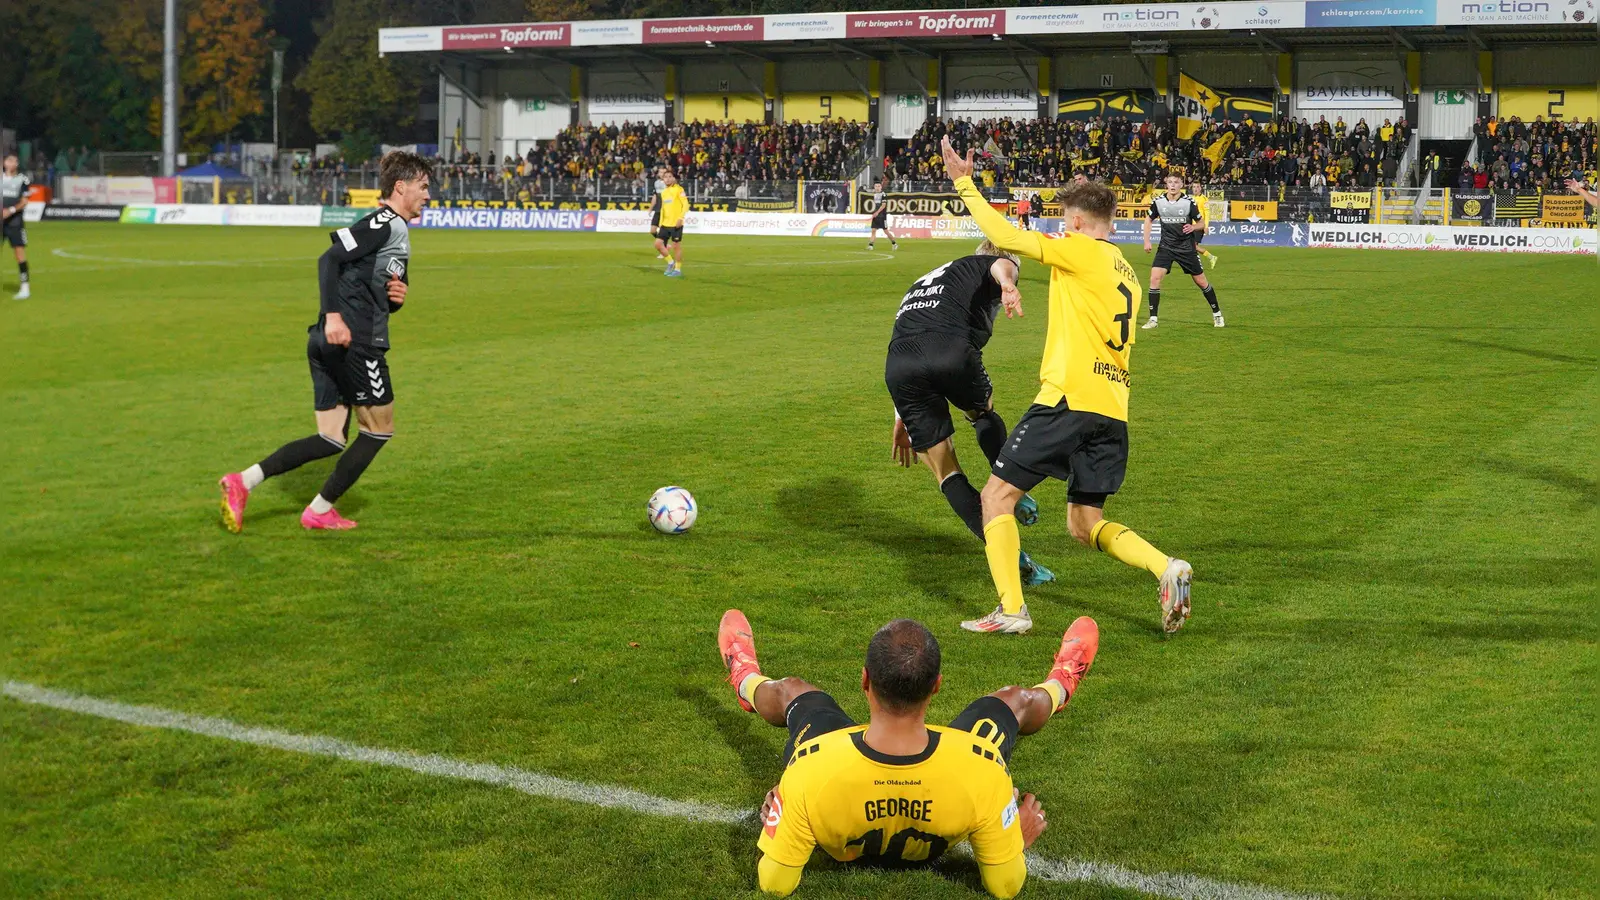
point(1077, 428)
point(898, 790)
point(1198, 192)
point(669, 237)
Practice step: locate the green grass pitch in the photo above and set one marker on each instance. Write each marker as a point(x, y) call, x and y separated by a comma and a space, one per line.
point(1383, 470)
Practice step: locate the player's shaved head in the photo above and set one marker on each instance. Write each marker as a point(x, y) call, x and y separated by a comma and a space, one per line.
point(903, 665)
point(1096, 201)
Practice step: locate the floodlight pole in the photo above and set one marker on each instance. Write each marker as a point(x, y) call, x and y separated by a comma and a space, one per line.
point(278, 45)
point(169, 92)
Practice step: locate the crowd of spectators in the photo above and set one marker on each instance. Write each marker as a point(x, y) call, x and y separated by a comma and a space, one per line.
point(1514, 155)
point(1273, 151)
point(717, 158)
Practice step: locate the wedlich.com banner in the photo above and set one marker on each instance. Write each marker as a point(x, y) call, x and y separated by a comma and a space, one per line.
point(1446, 237)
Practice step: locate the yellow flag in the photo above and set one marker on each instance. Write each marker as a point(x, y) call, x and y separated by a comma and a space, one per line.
point(1196, 102)
point(1219, 149)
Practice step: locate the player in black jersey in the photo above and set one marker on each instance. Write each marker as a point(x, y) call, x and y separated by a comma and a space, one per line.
point(880, 215)
point(363, 279)
point(1180, 218)
point(936, 361)
point(13, 200)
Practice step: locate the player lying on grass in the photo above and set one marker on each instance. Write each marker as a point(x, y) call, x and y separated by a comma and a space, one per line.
point(936, 361)
point(1077, 428)
point(363, 279)
point(1182, 226)
point(898, 790)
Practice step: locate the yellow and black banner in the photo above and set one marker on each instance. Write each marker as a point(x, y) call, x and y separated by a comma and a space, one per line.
point(1081, 105)
point(1253, 210)
point(1471, 206)
point(1563, 210)
point(1197, 104)
point(1350, 199)
point(1517, 206)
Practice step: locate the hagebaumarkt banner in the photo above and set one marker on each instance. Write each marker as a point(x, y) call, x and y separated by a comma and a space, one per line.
point(1472, 206)
point(511, 219)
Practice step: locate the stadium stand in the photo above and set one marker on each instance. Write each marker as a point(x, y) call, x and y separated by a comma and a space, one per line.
point(1514, 155)
point(1277, 152)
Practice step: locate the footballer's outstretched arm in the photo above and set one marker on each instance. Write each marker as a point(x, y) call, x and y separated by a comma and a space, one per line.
point(996, 227)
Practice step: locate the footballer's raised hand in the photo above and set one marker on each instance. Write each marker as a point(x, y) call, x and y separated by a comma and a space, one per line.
point(335, 331)
point(954, 165)
point(900, 445)
point(1011, 301)
point(397, 291)
point(1031, 812)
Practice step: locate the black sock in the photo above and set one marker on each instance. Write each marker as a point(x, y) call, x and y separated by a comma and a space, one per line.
point(22, 268)
point(1155, 301)
point(352, 464)
point(966, 501)
point(991, 432)
point(295, 454)
point(1211, 298)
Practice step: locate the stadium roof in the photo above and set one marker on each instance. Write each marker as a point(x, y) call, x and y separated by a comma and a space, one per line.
point(1271, 23)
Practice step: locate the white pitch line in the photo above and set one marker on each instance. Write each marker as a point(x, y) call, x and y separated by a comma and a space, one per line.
point(1177, 886)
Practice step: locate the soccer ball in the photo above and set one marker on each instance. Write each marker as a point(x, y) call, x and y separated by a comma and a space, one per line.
point(672, 510)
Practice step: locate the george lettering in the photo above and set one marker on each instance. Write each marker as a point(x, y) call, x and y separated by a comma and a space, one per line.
point(898, 808)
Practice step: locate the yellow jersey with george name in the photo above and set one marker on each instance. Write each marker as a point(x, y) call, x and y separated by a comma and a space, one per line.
point(1090, 333)
point(855, 803)
point(674, 206)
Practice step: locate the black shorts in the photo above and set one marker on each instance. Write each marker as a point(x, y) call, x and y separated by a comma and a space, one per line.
point(1186, 258)
point(926, 375)
point(880, 221)
point(16, 233)
point(1086, 450)
point(815, 713)
point(357, 375)
point(655, 221)
point(673, 235)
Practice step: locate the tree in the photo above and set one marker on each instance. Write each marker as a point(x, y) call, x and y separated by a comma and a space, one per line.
point(225, 54)
point(222, 57)
point(355, 93)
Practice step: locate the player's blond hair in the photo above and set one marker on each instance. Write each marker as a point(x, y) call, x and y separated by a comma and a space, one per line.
point(987, 248)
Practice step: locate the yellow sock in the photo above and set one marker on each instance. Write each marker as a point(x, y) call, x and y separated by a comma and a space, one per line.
point(747, 687)
point(1002, 544)
point(1126, 547)
point(1058, 694)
